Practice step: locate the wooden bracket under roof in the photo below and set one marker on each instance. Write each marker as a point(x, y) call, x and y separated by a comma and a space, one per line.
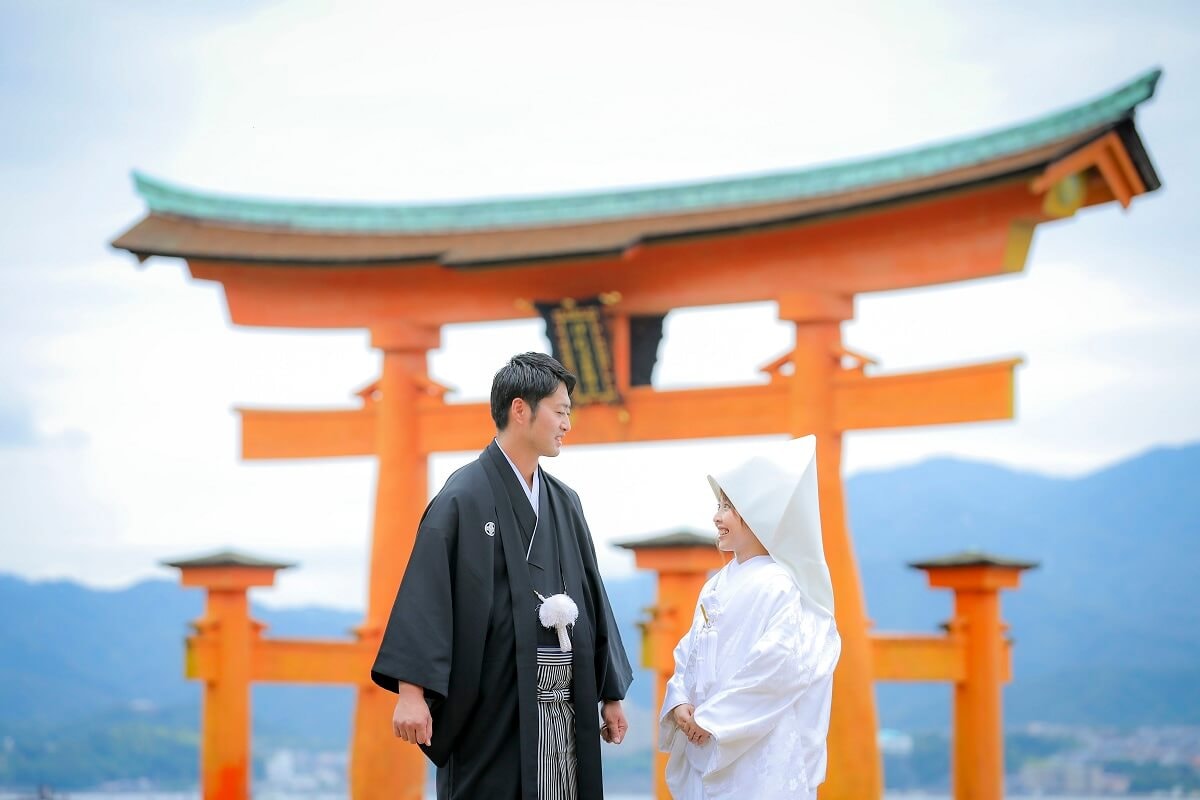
point(858, 362)
point(1062, 180)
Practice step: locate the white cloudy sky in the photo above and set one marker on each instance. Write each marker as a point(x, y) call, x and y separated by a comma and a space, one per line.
point(118, 445)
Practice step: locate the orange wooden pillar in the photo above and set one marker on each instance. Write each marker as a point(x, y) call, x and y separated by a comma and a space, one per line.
point(225, 635)
point(855, 770)
point(381, 765)
point(978, 746)
point(683, 561)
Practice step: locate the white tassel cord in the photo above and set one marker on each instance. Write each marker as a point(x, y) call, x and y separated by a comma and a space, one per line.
point(558, 611)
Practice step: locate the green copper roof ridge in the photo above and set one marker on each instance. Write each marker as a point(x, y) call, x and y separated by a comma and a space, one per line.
point(566, 209)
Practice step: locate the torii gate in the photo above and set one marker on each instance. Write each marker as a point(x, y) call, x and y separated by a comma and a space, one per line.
point(809, 240)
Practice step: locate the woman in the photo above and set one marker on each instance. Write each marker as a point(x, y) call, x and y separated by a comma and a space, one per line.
point(747, 711)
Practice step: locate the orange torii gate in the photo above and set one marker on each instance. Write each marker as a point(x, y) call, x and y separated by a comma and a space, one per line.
point(809, 240)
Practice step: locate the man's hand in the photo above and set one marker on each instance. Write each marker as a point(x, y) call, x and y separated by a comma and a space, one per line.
point(615, 724)
point(411, 720)
point(684, 716)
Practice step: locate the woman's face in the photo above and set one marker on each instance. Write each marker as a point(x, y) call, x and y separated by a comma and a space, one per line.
point(733, 535)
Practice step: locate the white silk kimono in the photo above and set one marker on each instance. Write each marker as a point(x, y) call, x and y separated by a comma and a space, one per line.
point(757, 665)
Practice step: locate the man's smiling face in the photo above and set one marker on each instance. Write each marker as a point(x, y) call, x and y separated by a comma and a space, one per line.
point(551, 422)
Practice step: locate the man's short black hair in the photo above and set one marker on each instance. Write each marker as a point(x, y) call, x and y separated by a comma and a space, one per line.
point(530, 376)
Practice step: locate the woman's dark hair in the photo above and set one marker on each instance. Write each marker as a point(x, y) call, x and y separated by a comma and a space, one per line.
point(529, 376)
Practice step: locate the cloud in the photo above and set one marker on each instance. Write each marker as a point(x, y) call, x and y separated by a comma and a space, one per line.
point(53, 522)
point(16, 423)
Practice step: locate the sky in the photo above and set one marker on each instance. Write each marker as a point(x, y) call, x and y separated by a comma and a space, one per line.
point(118, 441)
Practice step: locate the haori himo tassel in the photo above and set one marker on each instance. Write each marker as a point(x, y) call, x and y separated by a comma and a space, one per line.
point(558, 611)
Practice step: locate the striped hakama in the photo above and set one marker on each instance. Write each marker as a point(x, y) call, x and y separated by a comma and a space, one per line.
point(556, 778)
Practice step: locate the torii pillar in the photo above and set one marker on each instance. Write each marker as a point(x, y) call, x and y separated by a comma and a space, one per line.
point(228, 636)
point(978, 746)
point(378, 767)
point(816, 362)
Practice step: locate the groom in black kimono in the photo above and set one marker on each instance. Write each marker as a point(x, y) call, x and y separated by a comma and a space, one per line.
point(464, 649)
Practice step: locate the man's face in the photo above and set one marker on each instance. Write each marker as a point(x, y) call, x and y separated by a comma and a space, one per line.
point(551, 422)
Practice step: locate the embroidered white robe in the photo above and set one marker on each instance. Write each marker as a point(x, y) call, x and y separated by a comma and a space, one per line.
point(759, 672)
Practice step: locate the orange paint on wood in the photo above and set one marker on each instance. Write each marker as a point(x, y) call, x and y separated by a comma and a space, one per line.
point(618, 326)
point(380, 766)
point(308, 434)
point(221, 652)
point(1109, 156)
point(646, 415)
point(227, 578)
point(815, 307)
point(854, 767)
point(963, 394)
point(310, 661)
point(1082, 159)
point(978, 715)
point(896, 657)
point(978, 742)
point(961, 236)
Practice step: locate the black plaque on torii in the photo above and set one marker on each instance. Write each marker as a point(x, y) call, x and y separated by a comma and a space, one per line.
point(580, 339)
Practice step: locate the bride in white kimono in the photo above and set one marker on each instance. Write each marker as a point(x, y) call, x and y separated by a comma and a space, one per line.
point(747, 711)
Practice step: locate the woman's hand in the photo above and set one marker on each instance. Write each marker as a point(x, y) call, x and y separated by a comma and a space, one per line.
point(684, 716)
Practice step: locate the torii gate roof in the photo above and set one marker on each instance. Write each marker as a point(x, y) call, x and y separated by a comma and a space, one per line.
point(192, 224)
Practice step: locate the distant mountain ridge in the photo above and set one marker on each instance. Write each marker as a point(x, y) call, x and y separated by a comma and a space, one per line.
point(1113, 602)
point(1107, 629)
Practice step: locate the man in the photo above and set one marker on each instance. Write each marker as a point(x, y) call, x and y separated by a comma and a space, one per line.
point(499, 702)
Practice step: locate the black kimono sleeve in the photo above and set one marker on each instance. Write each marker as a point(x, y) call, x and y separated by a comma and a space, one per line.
point(417, 644)
point(613, 672)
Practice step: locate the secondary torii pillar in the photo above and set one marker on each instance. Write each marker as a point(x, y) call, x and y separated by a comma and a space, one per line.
point(683, 561)
point(227, 633)
point(978, 747)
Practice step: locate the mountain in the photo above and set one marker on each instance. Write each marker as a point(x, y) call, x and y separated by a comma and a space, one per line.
point(1106, 628)
point(1111, 602)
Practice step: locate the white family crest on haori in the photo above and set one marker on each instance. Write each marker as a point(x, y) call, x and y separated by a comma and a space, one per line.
point(490, 528)
point(775, 492)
